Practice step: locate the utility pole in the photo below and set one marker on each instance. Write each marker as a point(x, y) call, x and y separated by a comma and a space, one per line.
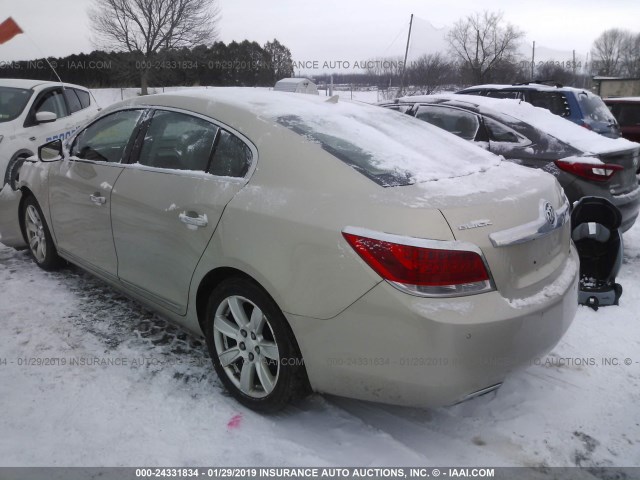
point(406, 53)
point(533, 59)
point(574, 69)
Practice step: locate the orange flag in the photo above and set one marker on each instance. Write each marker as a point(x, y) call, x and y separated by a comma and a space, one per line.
point(9, 29)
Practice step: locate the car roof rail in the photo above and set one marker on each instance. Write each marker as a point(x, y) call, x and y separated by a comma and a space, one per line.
point(550, 83)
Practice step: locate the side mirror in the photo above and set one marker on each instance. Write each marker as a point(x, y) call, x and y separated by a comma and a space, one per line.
point(46, 117)
point(50, 152)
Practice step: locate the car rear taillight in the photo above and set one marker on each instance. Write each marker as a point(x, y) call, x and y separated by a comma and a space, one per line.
point(600, 172)
point(422, 267)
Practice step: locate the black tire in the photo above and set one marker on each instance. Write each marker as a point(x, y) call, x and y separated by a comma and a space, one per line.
point(290, 383)
point(38, 236)
point(13, 171)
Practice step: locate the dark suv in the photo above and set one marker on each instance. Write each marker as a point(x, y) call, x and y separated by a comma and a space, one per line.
point(575, 104)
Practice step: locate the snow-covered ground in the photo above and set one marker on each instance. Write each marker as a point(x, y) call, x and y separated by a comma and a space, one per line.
point(142, 392)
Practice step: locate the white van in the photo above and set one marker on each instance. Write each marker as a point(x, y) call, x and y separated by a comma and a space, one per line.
point(34, 112)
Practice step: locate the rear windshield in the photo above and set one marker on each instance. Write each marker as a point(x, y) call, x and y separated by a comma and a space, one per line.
point(390, 148)
point(594, 108)
point(12, 102)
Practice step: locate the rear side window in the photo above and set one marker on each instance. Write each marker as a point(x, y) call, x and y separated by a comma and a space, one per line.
point(501, 133)
point(232, 157)
point(555, 102)
point(106, 139)
point(460, 123)
point(84, 97)
point(72, 100)
point(178, 141)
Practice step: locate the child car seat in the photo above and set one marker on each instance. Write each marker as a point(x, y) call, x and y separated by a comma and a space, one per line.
point(595, 222)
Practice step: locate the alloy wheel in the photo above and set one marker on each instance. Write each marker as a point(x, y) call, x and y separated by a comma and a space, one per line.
point(246, 346)
point(35, 233)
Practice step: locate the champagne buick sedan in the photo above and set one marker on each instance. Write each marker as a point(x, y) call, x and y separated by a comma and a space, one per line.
point(317, 245)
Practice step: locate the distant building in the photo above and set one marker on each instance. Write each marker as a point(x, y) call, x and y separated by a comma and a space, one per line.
point(296, 85)
point(609, 87)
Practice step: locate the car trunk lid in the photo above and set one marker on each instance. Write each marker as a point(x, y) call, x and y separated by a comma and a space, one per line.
point(518, 217)
point(623, 181)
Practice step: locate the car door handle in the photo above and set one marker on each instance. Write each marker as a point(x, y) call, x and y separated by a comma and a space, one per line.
point(98, 199)
point(192, 220)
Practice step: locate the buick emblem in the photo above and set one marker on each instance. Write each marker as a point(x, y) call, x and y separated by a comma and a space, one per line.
point(549, 213)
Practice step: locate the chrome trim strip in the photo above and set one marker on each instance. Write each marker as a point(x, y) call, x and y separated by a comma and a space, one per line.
point(480, 392)
point(538, 228)
point(413, 241)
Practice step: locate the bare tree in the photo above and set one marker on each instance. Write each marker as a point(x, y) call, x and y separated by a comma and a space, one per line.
point(608, 50)
point(429, 72)
point(145, 27)
point(482, 41)
point(630, 57)
point(555, 73)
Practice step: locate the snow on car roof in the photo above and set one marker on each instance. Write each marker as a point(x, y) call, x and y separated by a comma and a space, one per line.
point(529, 86)
point(622, 99)
point(28, 84)
point(390, 140)
point(564, 130)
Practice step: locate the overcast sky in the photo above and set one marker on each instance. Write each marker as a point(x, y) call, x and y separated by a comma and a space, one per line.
point(332, 29)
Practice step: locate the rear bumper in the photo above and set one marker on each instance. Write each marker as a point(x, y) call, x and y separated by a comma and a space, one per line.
point(10, 231)
point(628, 203)
point(395, 348)
point(629, 206)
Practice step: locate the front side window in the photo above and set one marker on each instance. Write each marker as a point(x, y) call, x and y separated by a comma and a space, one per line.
point(504, 94)
point(460, 123)
point(106, 139)
point(52, 102)
point(232, 157)
point(12, 102)
point(178, 141)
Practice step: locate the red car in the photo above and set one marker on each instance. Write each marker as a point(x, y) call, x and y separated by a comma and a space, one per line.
point(627, 112)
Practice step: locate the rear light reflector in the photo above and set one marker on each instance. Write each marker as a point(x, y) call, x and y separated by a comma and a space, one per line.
point(422, 267)
point(591, 171)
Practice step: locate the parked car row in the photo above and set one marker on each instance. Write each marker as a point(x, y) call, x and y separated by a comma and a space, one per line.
point(316, 245)
point(584, 163)
point(575, 104)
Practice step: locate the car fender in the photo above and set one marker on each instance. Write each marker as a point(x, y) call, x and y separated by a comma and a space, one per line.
point(34, 180)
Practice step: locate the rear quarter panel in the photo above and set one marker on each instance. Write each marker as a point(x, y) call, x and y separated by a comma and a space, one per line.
point(284, 228)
